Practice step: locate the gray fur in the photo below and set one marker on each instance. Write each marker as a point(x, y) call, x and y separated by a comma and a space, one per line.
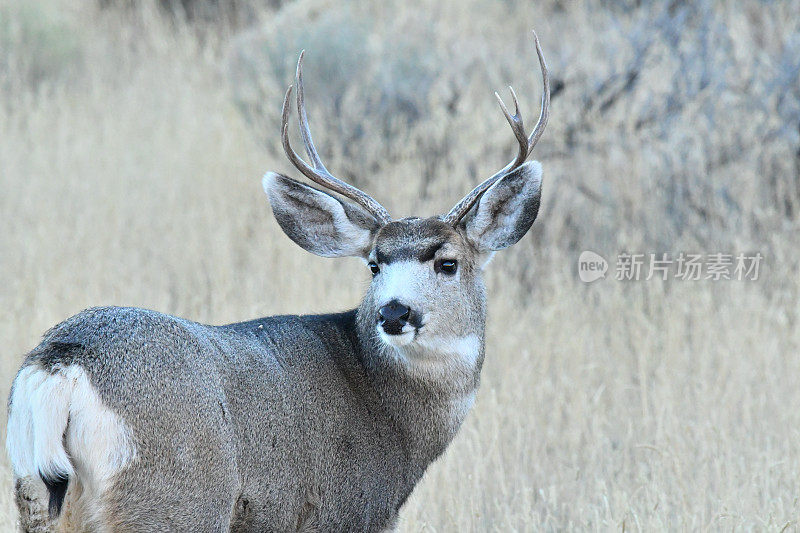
point(288, 422)
point(263, 425)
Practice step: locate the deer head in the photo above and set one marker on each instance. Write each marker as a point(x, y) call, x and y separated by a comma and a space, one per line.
point(427, 282)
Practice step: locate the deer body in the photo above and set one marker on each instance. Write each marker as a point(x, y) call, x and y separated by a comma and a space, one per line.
point(125, 419)
point(272, 424)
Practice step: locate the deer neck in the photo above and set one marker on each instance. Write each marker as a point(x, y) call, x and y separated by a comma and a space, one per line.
point(426, 388)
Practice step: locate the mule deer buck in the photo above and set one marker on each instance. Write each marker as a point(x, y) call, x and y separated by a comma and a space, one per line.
point(125, 419)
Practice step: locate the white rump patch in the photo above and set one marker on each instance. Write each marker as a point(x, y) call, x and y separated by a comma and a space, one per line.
point(37, 421)
point(58, 424)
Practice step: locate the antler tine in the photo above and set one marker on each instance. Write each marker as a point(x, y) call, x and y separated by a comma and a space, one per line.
point(318, 173)
point(515, 121)
point(305, 132)
point(526, 143)
point(544, 113)
point(296, 160)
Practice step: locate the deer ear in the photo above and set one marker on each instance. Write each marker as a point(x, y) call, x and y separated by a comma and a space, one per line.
point(506, 211)
point(317, 221)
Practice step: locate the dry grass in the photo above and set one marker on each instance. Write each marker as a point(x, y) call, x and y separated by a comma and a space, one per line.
point(130, 158)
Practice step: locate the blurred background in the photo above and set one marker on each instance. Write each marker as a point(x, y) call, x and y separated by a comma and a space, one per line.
point(133, 136)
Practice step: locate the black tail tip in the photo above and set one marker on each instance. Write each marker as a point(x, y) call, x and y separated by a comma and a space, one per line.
point(57, 487)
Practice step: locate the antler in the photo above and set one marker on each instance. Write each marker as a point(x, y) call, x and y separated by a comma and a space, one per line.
point(526, 143)
point(318, 173)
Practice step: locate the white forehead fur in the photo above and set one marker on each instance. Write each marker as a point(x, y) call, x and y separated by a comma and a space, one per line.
point(403, 281)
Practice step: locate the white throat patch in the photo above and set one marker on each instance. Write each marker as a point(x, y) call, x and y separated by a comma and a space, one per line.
point(447, 351)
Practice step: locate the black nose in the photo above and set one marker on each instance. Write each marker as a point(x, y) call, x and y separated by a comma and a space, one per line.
point(393, 316)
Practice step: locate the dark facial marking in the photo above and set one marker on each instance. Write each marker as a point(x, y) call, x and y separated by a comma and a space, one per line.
point(430, 252)
point(412, 238)
point(381, 257)
point(409, 252)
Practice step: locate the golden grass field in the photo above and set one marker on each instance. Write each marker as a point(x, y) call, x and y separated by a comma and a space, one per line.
point(132, 146)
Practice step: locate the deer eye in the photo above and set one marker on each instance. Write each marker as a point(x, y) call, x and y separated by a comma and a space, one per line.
point(373, 267)
point(448, 266)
